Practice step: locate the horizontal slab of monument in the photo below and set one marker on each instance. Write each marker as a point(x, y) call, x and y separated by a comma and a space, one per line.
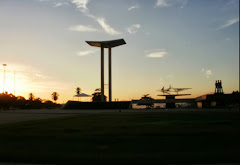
point(107, 44)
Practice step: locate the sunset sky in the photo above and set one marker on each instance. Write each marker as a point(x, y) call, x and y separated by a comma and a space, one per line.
point(183, 43)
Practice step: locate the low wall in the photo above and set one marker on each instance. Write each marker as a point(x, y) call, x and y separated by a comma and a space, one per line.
point(97, 105)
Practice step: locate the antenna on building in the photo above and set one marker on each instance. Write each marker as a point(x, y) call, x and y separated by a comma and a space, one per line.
point(218, 86)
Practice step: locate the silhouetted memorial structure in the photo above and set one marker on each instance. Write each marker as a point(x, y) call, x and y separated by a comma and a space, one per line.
point(102, 104)
point(109, 45)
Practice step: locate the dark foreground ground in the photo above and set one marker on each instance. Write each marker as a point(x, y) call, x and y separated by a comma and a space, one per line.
point(124, 138)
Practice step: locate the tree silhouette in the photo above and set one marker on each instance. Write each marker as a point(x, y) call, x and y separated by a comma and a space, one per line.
point(55, 96)
point(97, 96)
point(31, 96)
point(7, 100)
point(21, 102)
point(78, 90)
point(10, 101)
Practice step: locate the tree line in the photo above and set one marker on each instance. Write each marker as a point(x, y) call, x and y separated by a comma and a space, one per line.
point(10, 101)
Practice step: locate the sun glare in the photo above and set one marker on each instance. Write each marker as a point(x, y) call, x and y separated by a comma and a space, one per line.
point(11, 83)
point(21, 80)
point(13, 79)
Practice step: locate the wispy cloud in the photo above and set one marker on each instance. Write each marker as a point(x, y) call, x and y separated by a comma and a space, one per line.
point(228, 23)
point(133, 28)
point(55, 3)
point(162, 3)
point(157, 54)
point(106, 27)
point(86, 52)
point(81, 4)
point(167, 3)
point(58, 4)
point(207, 72)
point(133, 7)
point(82, 28)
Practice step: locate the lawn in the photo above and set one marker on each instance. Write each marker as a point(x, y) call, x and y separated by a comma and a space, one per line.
point(129, 138)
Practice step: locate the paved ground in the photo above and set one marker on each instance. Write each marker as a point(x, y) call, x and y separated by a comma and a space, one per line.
point(17, 117)
point(11, 116)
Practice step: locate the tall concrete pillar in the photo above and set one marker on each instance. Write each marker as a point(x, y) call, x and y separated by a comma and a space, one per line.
point(110, 74)
point(102, 73)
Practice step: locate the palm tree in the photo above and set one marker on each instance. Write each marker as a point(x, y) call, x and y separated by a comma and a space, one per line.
point(55, 96)
point(78, 90)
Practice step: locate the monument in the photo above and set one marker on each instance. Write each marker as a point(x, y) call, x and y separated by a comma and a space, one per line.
point(109, 45)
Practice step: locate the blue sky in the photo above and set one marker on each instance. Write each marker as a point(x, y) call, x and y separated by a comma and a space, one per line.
point(183, 43)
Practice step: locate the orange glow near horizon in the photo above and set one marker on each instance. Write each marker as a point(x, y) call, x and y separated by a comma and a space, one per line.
point(22, 80)
point(22, 85)
point(13, 83)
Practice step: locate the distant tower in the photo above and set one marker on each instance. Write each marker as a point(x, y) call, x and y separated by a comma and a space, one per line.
point(218, 86)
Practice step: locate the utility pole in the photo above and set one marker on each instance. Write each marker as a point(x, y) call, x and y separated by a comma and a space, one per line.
point(4, 78)
point(14, 81)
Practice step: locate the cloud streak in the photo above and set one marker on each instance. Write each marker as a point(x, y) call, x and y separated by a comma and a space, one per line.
point(157, 54)
point(82, 28)
point(133, 28)
point(106, 27)
point(228, 23)
point(86, 52)
point(82, 5)
point(168, 3)
point(133, 7)
point(60, 4)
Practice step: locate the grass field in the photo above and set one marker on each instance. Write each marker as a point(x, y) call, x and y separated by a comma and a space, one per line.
point(124, 138)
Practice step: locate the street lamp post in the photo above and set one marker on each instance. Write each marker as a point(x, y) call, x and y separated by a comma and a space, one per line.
point(4, 78)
